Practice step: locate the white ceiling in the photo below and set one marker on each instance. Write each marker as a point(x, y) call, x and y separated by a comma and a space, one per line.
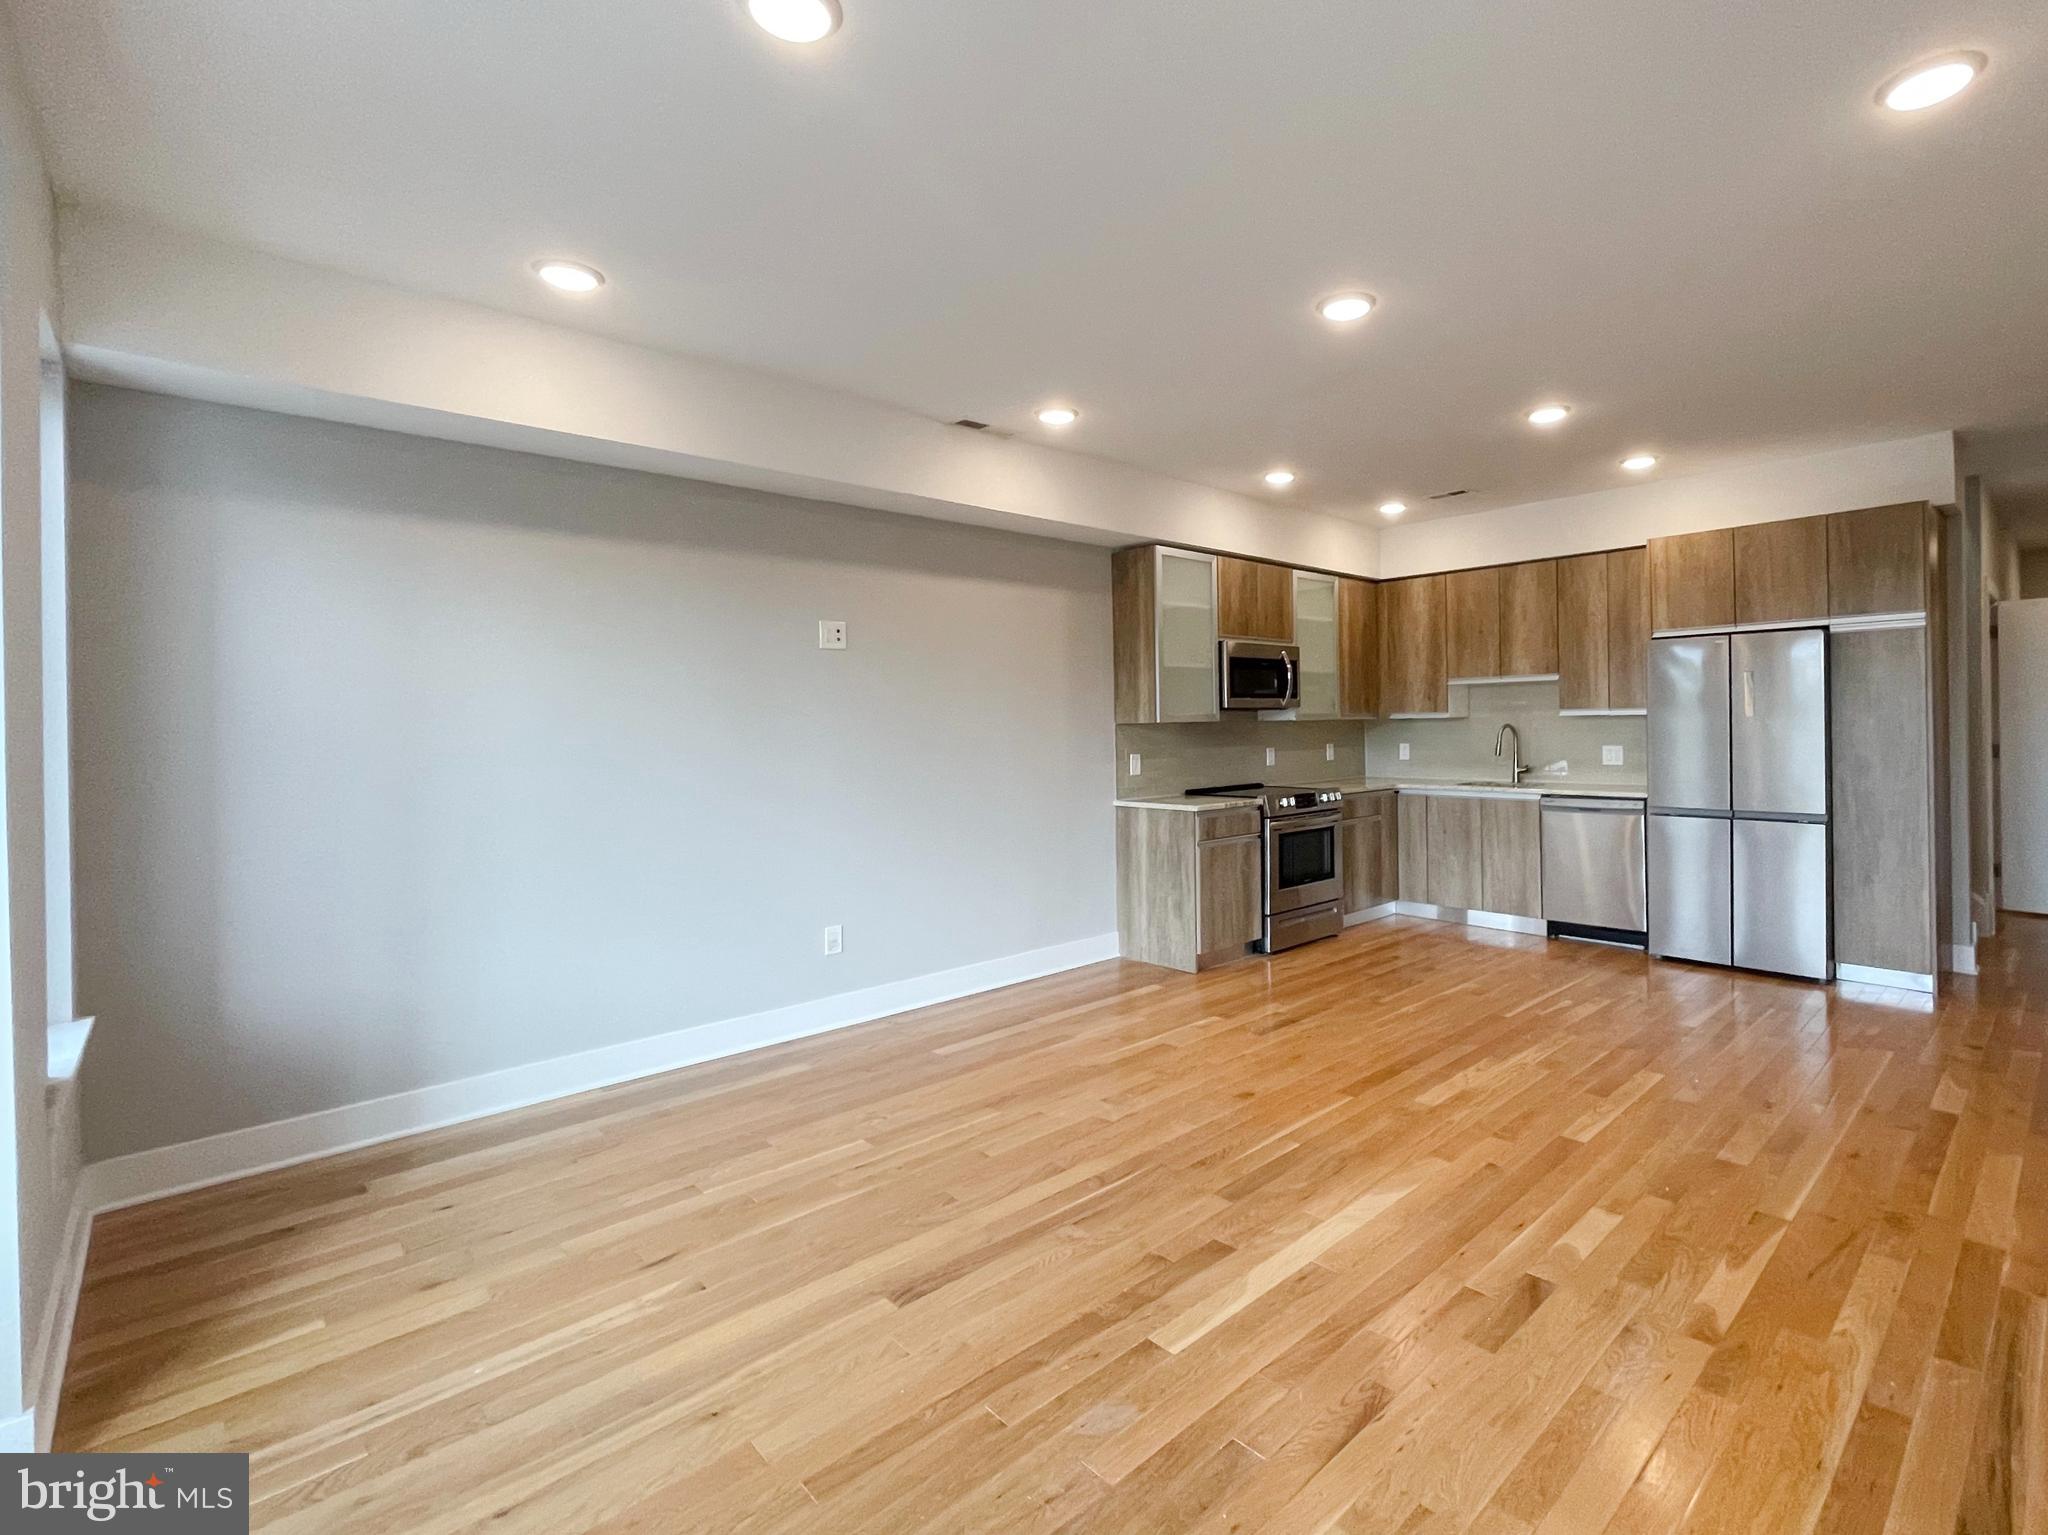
point(1690, 221)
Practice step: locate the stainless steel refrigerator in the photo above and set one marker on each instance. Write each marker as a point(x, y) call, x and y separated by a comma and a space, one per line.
point(1738, 828)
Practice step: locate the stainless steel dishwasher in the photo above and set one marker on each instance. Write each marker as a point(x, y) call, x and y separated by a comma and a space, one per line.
point(1593, 884)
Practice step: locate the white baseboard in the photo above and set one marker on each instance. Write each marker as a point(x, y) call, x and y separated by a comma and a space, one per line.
point(1962, 958)
point(146, 1175)
point(1496, 920)
point(1369, 914)
point(53, 1345)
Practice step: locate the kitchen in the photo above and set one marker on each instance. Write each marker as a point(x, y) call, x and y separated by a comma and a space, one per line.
point(1715, 747)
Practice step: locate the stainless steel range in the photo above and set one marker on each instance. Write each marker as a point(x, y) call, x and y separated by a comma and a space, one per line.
point(1304, 851)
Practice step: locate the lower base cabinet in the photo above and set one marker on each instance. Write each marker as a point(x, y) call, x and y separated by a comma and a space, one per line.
point(1372, 851)
point(1189, 884)
point(1456, 852)
point(1471, 852)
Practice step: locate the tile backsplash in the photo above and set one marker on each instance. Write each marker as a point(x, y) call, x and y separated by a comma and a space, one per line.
point(1463, 748)
point(1233, 750)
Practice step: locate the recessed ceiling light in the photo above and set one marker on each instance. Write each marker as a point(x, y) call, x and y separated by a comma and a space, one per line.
point(1059, 415)
point(796, 21)
point(569, 276)
point(1279, 479)
point(1639, 463)
point(1343, 308)
point(1393, 508)
point(1548, 415)
point(1932, 82)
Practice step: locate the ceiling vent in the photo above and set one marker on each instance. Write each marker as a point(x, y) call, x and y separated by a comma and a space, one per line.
point(972, 426)
point(1446, 495)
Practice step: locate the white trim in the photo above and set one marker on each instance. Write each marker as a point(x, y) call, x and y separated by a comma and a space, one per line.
point(1602, 713)
point(146, 1175)
point(1873, 975)
point(1370, 913)
point(54, 1343)
point(1487, 682)
point(1499, 921)
point(18, 1434)
point(1962, 958)
point(1880, 621)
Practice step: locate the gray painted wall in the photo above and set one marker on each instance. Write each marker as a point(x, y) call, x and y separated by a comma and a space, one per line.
point(399, 761)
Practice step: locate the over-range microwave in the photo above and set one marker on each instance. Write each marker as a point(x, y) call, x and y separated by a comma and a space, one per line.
point(1258, 674)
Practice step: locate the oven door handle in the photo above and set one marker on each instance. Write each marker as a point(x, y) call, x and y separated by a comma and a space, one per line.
point(1279, 824)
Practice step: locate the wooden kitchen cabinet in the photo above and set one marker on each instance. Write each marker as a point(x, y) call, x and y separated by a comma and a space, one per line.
point(1472, 623)
point(1411, 866)
point(1189, 884)
point(1628, 629)
point(1528, 619)
point(1582, 673)
point(1413, 675)
point(1877, 560)
point(1358, 648)
point(1163, 633)
point(1781, 571)
point(1883, 830)
point(1511, 856)
point(1456, 851)
point(1692, 580)
point(1254, 600)
point(1603, 631)
point(1372, 850)
point(1228, 909)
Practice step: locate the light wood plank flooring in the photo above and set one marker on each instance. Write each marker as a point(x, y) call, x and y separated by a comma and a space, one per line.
point(1416, 1230)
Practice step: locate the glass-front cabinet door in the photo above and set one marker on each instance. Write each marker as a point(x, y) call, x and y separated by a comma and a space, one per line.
point(1187, 635)
point(1315, 631)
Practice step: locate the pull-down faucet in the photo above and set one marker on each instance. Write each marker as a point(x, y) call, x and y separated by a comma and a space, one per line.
point(1516, 770)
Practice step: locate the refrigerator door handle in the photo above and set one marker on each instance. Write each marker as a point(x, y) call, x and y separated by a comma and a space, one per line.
point(1748, 696)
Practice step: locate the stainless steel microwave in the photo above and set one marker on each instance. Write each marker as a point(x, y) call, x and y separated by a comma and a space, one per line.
point(1258, 674)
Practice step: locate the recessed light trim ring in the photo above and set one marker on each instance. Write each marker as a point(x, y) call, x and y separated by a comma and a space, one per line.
point(568, 276)
point(1932, 81)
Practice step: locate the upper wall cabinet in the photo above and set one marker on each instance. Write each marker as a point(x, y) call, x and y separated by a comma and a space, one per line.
point(1692, 580)
point(1603, 632)
point(1628, 628)
point(1163, 610)
point(1413, 674)
point(1877, 560)
point(1528, 619)
point(1472, 622)
point(1254, 601)
point(1358, 648)
point(1315, 631)
point(1781, 571)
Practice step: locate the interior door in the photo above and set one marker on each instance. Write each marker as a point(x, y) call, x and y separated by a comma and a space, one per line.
point(2023, 753)
point(1689, 723)
point(1690, 894)
point(1778, 737)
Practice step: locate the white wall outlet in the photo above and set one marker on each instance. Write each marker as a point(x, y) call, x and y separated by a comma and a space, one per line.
point(1610, 756)
point(1269, 756)
point(1404, 751)
point(831, 634)
point(1137, 765)
point(832, 939)
point(1329, 751)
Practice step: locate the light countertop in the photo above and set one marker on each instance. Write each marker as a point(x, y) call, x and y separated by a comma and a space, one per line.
point(1539, 789)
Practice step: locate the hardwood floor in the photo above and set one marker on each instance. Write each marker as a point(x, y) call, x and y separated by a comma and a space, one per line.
point(1417, 1230)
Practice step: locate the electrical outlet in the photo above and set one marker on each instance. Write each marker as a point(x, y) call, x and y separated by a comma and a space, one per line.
point(1610, 756)
point(832, 939)
point(1137, 765)
point(831, 634)
point(1329, 751)
point(1270, 756)
point(1404, 751)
